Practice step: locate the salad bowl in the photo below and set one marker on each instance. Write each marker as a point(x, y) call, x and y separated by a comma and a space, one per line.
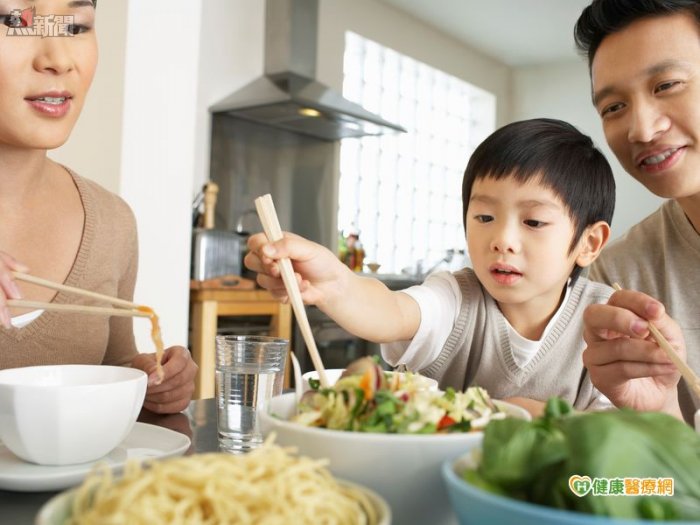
point(333, 374)
point(403, 468)
point(474, 506)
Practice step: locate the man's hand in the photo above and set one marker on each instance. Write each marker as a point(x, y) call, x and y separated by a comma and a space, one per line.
point(624, 361)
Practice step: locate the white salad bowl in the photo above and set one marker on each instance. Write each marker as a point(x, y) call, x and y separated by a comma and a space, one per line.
point(66, 414)
point(403, 468)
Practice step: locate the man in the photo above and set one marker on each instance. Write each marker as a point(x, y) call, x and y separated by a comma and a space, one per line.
point(644, 60)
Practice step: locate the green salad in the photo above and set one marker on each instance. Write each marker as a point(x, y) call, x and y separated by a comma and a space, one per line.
point(539, 460)
point(368, 399)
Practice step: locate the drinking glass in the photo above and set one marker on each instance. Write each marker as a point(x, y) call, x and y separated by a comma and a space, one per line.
point(249, 371)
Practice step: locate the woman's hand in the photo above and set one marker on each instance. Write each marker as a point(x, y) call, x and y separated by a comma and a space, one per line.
point(174, 393)
point(8, 286)
point(625, 362)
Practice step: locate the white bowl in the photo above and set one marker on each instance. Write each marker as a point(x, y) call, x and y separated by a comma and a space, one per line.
point(66, 414)
point(404, 468)
point(333, 374)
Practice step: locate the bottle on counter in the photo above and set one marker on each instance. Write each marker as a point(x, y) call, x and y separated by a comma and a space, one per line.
point(342, 247)
point(352, 253)
point(359, 257)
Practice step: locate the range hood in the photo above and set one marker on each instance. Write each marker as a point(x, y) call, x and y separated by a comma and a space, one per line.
point(287, 96)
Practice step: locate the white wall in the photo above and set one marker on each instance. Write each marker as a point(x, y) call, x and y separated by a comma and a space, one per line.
point(407, 35)
point(563, 91)
point(157, 156)
point(231, 55)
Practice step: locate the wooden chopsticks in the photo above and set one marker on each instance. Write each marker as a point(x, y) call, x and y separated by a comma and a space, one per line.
point(124, 308)
point(691, 377)
point(271, 225)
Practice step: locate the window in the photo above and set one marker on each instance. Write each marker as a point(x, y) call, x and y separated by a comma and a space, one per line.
point(403, 192)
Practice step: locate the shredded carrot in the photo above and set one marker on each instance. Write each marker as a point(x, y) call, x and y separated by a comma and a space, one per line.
point(367, 383)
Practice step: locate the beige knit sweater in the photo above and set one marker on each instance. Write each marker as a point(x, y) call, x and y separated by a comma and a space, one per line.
point(106, 263)
point(660, 256)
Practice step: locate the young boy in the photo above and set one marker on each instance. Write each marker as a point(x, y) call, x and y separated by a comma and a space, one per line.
point(537, 199)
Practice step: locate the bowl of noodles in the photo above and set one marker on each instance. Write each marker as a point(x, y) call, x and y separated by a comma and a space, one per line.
point(399, 458)
point(266, 486)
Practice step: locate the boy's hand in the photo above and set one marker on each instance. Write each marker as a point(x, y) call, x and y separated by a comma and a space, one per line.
point(317, 270)
point(624, 361)
point(8, 286)
point(175, 392)
point(361, 305)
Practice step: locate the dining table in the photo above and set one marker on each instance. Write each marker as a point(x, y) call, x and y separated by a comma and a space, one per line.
point(197, 421)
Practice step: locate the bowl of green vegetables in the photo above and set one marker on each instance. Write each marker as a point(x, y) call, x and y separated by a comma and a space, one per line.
point(567, 468)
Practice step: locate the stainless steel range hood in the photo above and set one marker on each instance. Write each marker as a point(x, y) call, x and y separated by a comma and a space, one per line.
point(287, 96)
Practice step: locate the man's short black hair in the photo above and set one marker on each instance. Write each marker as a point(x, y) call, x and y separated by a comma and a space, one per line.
point(604, 17)
point(555, 154)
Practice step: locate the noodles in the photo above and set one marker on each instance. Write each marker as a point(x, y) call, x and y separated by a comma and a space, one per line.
point(157, 339)
point(265, 487)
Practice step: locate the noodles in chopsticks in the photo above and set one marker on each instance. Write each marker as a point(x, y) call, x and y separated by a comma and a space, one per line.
point(157, 339)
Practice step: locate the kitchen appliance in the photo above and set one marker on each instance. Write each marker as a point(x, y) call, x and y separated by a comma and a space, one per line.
point(214, 252)
point(287, 96)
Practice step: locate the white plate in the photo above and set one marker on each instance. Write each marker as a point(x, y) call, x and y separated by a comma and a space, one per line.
point(144, 441)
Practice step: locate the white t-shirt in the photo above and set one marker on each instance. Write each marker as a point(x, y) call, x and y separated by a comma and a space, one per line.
point(440, 301)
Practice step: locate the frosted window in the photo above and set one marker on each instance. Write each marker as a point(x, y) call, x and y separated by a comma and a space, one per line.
point(403, 192)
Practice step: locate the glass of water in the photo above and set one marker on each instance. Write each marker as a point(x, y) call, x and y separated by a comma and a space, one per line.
point(249, 371)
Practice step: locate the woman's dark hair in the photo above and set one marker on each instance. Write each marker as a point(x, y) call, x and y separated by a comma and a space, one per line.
point(604, 17)
point(558, 156)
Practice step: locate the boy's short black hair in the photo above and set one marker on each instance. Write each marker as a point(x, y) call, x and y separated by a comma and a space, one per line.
point(604, 17)
point(558, 156)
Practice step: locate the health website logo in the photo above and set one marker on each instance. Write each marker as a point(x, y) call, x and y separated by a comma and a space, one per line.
point(582, 485)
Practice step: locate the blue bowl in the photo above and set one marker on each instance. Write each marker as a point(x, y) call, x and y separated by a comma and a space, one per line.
point(474, 506)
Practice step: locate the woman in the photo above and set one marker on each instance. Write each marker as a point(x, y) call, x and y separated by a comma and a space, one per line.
point(60, 226)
